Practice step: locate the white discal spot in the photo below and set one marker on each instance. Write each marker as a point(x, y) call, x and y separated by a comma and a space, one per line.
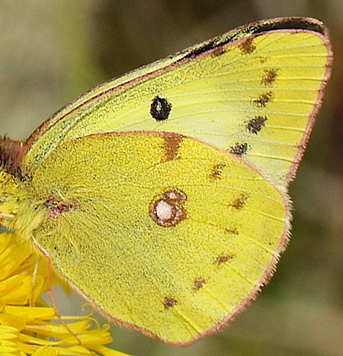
point(164, 210)
point(168, 209)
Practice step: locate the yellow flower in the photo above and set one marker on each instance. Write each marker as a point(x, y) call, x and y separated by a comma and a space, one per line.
point(27, 326)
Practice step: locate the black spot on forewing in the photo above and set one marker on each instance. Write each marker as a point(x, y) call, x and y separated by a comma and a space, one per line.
point(256, 124)
point(169, 302)
point(160, 109)
point(263, 100)
point(239, 149)
point(269, 76)
point(247, 46)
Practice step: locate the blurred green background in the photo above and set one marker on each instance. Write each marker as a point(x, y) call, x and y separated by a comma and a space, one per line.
point(52, 51)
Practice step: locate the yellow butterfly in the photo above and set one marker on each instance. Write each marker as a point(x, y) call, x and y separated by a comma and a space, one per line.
point(161, 196)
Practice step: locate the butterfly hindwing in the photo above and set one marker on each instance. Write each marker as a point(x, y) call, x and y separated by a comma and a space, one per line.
point(158, 230)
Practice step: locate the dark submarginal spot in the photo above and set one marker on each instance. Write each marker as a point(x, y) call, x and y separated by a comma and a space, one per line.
point(269, 76)
point(263, 100)
point(239, 149)
point(198, 283)
point(240, 202)
point(256, 124)
point(220, 260)
point(217, 171)
point(169, 302)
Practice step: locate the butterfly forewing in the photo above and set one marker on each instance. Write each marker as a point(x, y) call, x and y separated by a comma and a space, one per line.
point(253, 93)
